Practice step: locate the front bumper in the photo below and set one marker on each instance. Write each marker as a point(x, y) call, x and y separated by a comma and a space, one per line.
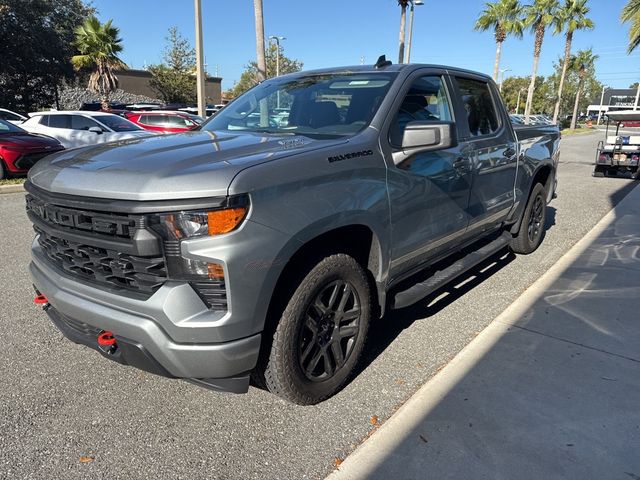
point(158, 334)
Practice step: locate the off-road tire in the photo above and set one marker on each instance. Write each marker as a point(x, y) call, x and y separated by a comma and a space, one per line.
point(284, 374)
point(527, 241)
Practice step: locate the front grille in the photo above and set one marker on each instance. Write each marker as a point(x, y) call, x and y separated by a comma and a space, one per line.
point(28, 160)
point(104, 266)
point(106, 224)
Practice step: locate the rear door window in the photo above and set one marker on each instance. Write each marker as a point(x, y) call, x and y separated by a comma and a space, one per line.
point(478, 104)
point(60, 121)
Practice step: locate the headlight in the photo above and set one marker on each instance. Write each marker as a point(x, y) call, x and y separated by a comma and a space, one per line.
point(177, 226)
point(182, 225)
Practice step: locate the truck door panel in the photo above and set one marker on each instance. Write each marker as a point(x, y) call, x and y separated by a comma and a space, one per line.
point(495, 157)
point(428, 191)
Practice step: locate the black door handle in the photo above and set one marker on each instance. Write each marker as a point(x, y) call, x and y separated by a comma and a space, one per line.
point(509, 152)
point(460, 163)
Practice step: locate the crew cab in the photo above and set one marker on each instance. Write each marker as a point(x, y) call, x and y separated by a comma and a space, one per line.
point(255, 248)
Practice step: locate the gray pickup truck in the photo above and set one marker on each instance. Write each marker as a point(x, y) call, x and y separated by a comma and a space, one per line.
point(260, 247)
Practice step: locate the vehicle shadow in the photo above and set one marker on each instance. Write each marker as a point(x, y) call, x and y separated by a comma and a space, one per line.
point(385, 330)
point(550, 219)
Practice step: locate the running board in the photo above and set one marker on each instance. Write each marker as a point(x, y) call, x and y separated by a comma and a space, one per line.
point(420, 290)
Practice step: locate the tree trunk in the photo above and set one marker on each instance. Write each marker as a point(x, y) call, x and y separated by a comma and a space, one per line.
point(574, 119)
point(496, 65)
point(260, 55)
point(403, 20)
point(567, 56)
point(536, 58)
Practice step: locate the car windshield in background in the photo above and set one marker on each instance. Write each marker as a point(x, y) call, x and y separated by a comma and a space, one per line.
point(8, 127)
point(117, 124)
point(323, 105)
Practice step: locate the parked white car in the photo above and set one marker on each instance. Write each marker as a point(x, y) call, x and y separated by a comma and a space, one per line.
point(12, 117)
point(78, 129)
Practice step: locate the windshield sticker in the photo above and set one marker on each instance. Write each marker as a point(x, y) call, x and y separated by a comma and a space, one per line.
point(292, 142)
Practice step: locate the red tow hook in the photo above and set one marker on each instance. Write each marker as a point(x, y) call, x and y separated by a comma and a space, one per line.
point(107, 342)
point(40, 300)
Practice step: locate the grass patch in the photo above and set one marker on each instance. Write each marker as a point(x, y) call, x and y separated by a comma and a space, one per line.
point(13, 181)
point(578, 131)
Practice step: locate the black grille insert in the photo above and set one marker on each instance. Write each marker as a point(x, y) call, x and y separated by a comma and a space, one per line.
point(108, 224)
point(103, 266)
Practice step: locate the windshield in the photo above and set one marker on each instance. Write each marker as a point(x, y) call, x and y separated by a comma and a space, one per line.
point(338, 104)
point(8, 127)
point(117, 124)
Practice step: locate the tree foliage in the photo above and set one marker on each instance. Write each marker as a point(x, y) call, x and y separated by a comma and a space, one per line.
point(36, 50)
point(631, 14)
point(544, 96)
point(504, 18)
point(98, 46)
point(249, 77)
point(174, 80)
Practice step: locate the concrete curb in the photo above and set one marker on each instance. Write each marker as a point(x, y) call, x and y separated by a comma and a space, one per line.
point(366, 458)
point(17, 188)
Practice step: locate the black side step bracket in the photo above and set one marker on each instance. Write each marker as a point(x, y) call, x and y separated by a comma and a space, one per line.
point(420, 290)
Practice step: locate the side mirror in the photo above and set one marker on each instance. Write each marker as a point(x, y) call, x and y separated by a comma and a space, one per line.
point(420, 135)
point(97, 130)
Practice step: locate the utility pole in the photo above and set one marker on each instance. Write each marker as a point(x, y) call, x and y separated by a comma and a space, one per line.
point(502, 72)
point(635, 105)
point(200, 73)
point(518, 102)
point(277, 39)
point(413, 3)
point(600, 107)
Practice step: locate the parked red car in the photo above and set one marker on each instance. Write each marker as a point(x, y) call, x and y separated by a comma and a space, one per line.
point(20, 150)
point(163, 121)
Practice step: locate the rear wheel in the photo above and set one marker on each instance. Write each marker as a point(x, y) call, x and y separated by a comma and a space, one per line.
point(532, 227)
point(321, 333)
point(3, 170)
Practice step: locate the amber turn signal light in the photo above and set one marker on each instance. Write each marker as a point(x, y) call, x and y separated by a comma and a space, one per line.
point(223, 221)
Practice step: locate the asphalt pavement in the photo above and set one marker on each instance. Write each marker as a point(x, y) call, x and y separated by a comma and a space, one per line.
point(65, 412)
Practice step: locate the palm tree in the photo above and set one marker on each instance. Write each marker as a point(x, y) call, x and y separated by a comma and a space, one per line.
point(403, 20)
point(260, 56)
point(503, 17)
point(631, 13)
point(537, 16)
point(571, 17)
point(99, 45)
point(581, 63)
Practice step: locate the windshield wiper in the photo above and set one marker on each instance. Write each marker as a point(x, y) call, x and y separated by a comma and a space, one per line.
point(272, 131)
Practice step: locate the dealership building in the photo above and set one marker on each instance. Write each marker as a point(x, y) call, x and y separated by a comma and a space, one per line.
point(614, 99)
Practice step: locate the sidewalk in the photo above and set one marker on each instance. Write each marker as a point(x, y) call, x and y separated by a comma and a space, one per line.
point(549, 390)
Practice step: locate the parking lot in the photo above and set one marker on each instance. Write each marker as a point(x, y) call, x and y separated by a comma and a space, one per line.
point(67, 413)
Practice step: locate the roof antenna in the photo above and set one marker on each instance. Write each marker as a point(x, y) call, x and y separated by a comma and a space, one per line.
point(382, 62)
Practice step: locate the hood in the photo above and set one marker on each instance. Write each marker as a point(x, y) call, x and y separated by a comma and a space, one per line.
point(185, 165)
point(29, 141)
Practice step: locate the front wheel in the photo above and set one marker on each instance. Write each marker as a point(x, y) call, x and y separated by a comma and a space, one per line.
point(321, 333)
point(531, 231)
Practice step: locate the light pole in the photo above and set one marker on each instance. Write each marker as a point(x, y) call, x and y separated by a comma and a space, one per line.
point(502, 71)
point(518, 102)
point(413, 3)
point(277, 39)
point(200, 74)
point(600, 107)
